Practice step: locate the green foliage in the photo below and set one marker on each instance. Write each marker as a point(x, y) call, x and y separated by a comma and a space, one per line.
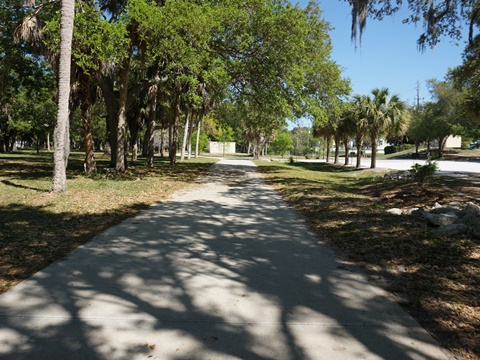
point(441, 18)
point(377, 114)
point(392, 149)
point(202, 141)
point(282, 144)
point(438, 119)
point(264, 61)
point(226, 134)
point(99, 131)
point(95, 39)
point(422, 173)
point(466, 78)
point(32, 109)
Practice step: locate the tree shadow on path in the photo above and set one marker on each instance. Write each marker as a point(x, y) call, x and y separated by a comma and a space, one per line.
point(223, 271)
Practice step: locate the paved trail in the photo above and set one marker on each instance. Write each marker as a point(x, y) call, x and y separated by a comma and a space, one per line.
point(224, 270)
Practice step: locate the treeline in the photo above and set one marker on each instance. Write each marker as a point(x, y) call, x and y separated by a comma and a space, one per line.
point(143, 66)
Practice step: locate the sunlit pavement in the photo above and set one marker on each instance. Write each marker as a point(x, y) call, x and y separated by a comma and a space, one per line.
point(223, 270)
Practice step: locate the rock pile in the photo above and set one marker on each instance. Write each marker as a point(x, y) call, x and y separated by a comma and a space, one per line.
point(399, 175)
point(455, 218)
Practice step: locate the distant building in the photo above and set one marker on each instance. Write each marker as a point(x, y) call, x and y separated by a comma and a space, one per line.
point(216, 147)
point(454, 142)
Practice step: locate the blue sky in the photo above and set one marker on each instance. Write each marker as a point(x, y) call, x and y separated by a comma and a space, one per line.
point(388, 56)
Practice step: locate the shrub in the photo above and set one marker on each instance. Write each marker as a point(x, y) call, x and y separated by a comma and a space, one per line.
point(389, 149)
point(421, 173)
point(291, 160)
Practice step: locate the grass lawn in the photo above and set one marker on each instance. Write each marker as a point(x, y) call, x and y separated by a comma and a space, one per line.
point(436, 278)
point(39, 227)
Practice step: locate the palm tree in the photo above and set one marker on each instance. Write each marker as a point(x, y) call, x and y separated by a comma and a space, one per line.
point(346, 128)
point(360, 113)
point(326, 131)
point(61, 133)
point(385, 114)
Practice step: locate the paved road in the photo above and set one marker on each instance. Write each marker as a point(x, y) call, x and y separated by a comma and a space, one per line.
point(224, 270)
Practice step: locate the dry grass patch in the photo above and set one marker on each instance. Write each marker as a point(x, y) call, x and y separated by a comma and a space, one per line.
point(436, 278)
point(39, 227)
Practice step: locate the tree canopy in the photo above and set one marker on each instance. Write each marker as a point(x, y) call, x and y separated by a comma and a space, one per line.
point(164, 65)
point(440, 18)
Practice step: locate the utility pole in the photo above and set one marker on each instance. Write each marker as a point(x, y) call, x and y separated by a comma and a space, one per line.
point(418, 94)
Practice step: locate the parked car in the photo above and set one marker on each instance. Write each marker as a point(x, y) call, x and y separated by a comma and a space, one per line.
point(474, 144)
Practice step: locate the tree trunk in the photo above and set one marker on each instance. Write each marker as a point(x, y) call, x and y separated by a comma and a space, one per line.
point(441, 145)
point(337, 149)
point(176, 124)
point(120, 164)
point(134, 127)
point(151, 137)
point(134, 131)
point(134, 144)
point(86, 100)
point(199, 127)
point(111, 106)
point(185, 135)
point(61, 133)
point(162, 143)
point(170, 136)
point(151, 124)
point(90, 164)
point(329, 146)
point(190, 134)
point(359, 141)
point(13, 143)
point(347, 149)
point(374, 139)
point(146, 136)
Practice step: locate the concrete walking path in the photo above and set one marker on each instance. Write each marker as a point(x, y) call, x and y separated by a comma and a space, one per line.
point(223, 270)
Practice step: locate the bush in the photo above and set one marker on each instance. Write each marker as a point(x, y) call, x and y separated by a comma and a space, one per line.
point(389, 149)
point(421, 173)
point(404, 147)
point(291, 160)
point(203, 141)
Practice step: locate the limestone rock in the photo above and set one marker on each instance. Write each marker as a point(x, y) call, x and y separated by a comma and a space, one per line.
point(395, 211)
point(440, 219)
point(409, 211)
point(473, 209)
point(419, 213)
point(452, 229)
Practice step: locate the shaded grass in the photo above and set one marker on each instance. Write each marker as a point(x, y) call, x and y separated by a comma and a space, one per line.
point(436, 278)
point(39, 227)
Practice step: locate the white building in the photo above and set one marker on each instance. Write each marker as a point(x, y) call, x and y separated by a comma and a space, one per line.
point(454, 142)
point(216, 147)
